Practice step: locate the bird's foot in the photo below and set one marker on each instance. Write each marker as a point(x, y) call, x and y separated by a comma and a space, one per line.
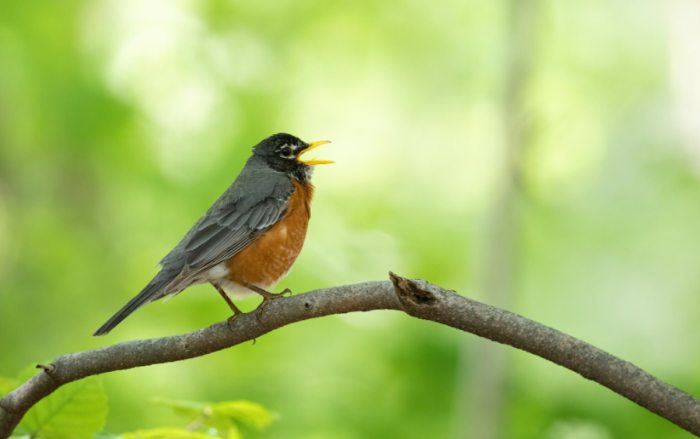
point(233, 318)
point(267, 296)
point(236, 312)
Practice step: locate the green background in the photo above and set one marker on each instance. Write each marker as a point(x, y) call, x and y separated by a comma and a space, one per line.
point(122, 121)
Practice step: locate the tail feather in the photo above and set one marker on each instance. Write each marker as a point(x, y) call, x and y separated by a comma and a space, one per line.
point(147, 295)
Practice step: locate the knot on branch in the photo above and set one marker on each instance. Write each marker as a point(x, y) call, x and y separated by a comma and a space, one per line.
point(409, 292)
point(48, 368)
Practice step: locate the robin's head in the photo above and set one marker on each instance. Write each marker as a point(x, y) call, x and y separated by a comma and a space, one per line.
point(283, 152)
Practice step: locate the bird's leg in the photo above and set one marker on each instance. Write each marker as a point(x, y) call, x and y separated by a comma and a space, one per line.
point(267, 296)
point(236, 312)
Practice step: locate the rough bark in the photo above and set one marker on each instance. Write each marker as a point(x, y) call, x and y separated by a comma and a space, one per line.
point(417, 298)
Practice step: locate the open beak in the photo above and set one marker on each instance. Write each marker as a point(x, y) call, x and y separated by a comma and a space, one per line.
point(313, 161)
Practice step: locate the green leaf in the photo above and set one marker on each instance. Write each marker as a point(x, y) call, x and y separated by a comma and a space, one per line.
point(76, 410)
point(234, 433)
point(252, 414)
point(193, 410)
point(188, 409)
point(169, 433)
point(220, 423)
point(222, 416)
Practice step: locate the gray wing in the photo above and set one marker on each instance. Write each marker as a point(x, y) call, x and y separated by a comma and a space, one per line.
point(230, 226)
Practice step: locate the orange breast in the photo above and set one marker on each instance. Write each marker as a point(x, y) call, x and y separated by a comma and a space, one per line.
point(269, 258)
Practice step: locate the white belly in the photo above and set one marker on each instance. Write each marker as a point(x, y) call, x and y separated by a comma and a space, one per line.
point(218, 273)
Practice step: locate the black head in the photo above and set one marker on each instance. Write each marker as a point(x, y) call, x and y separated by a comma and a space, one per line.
point(283, 152)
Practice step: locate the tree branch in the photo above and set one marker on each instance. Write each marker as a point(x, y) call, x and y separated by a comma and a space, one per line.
point(417, 298)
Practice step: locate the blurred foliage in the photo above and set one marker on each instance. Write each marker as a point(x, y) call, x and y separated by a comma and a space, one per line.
point(224, 418)
point(78, 410)
point(7, 385)
point(121, 121)
point(167, 433)
point(75, 411)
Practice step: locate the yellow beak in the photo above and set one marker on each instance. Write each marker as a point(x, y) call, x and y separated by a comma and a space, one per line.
point(313, 161)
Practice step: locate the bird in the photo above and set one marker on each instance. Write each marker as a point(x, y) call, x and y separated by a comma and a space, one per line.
point(249, 238)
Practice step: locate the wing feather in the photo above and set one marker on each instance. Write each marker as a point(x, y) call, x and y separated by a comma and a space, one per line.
point(243, 219)
point(228, 230)
point(202, 237)
point(229, 218)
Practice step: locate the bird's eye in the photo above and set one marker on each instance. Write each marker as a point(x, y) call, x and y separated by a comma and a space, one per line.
point(287, 152)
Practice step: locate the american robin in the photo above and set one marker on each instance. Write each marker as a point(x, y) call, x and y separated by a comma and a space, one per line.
point(249, 238)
